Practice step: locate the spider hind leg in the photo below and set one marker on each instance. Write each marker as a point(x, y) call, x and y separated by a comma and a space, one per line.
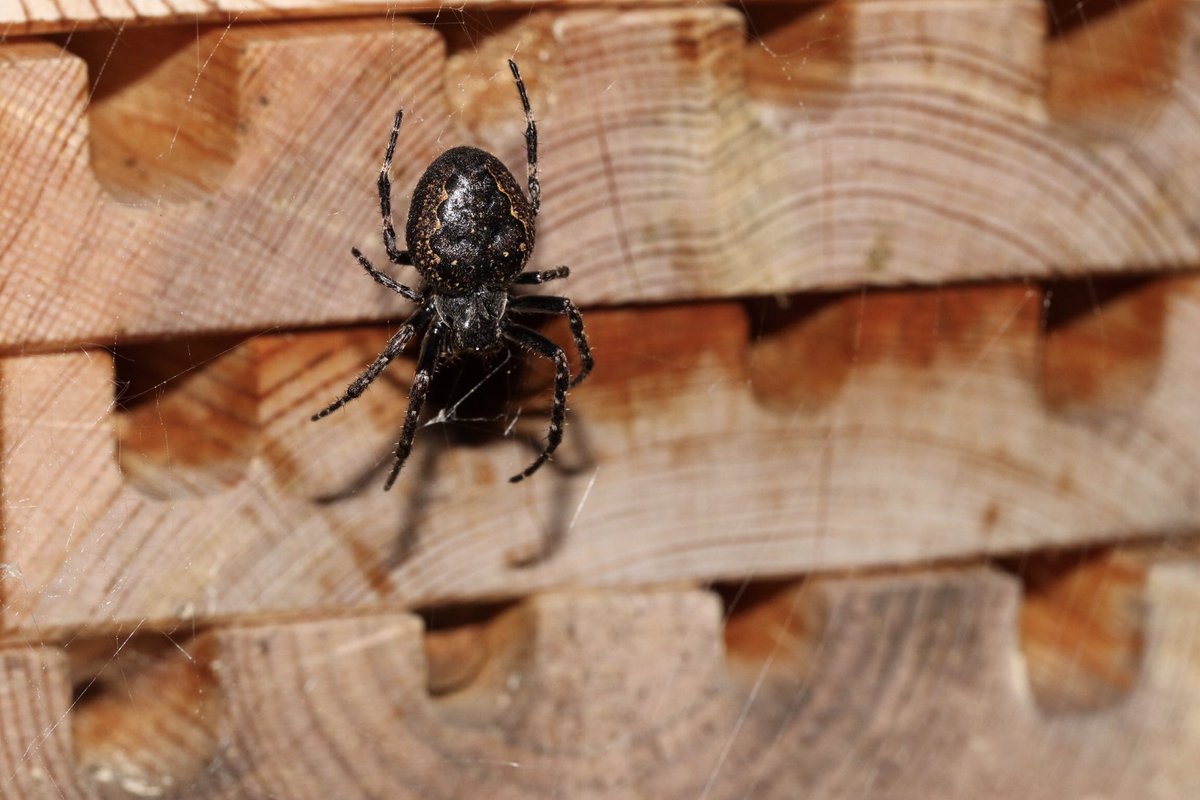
point(542, 276)
point(547, 304)
point(535, 343)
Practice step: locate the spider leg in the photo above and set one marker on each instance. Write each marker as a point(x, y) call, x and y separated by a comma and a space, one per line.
point(431, 348)
point(386, 280)
point(395, 347)
point(543, 276)
point(542, 304)
point(396, 255)
point(533, 342)
point(535, 188)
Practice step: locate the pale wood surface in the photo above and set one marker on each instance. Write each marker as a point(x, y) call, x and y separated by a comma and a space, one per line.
point(35, 754)
point(145, 712)
point(878, 429)
point(45, 16)
point(251, 575)
point(909, 686)
point(873, 143)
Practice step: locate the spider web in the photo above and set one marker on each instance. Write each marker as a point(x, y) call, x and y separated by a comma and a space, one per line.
point(130, 675)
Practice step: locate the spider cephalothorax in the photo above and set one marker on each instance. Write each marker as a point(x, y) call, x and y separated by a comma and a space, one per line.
point(470, 233)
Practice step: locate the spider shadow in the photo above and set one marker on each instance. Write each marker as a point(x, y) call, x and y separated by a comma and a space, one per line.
point(490, 400)
point(566, 496)
point(474, 403)
point(562, 500)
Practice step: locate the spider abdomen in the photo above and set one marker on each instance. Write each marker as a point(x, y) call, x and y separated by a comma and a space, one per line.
point(470, 226)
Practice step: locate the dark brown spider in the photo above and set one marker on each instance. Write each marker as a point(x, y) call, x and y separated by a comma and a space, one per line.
point(470, 233)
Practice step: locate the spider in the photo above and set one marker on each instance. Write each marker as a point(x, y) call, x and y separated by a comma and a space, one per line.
point(470, 233)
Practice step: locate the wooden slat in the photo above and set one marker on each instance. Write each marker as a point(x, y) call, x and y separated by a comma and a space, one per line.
point(1081, 625)
point(36, 758)
point(892, 427)
point(907, 687)
point(66, 16)
point(679, 159)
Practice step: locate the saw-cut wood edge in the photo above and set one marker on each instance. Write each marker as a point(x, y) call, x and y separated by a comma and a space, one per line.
point(895, 427)
point(861, 143)
point(912, 686)
point(65, 16)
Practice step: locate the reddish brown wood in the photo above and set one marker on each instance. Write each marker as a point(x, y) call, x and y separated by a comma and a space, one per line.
point(870, 430)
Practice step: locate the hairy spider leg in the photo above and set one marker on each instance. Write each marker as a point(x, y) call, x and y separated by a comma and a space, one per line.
point(395, 254)
point(431, 348)
point(395, 347)
point(386, 280)
point(533, 342)
point(543, 276)
point(535, 188)
point(545, 304)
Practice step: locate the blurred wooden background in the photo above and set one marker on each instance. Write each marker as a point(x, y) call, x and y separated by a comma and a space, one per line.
point(884, 485)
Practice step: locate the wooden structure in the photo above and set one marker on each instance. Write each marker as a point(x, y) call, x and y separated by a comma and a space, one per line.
point(890, 460)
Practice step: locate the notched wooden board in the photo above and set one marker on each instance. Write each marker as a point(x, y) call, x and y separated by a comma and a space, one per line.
point(46, 16)
point(861, 143)
point(913, 686)
point(900, 426)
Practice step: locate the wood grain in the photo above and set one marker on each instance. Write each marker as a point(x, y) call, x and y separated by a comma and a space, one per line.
point(894, 427)
point(680, 158)
point(36, 759)
point(46, 16)
point(182, 551)
point(914, 687)
point(1082, 625)
point(145, 712)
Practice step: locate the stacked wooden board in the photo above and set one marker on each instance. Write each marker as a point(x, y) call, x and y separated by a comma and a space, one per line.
point(893, 296)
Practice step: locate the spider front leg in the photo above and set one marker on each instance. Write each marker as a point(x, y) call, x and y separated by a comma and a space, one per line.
point(535, 188)
point(395, 254)
point(541, 304)
point(386, 280)
point(395, 347)
point(431, 348)
point(533, 342)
